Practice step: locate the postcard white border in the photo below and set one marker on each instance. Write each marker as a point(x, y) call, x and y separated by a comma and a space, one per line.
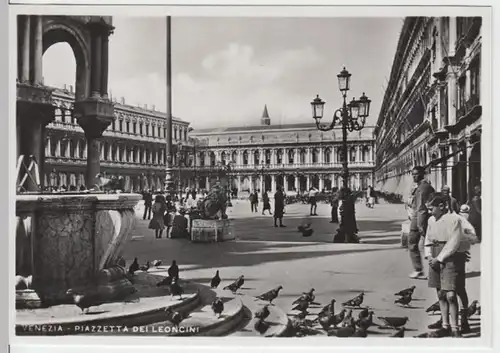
point(121, 344)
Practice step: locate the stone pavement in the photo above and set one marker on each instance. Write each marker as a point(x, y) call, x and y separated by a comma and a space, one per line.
point(269, 256)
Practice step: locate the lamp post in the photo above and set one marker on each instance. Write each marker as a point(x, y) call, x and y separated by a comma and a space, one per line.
point(351, 117)
point(181, 160)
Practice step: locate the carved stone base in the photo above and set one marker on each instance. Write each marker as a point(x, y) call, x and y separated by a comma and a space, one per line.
point(210, 231)
point(27, 299)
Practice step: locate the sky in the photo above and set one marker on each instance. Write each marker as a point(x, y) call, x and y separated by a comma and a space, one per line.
point(224, 70)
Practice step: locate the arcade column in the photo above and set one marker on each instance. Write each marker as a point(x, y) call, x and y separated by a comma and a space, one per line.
point(95, 113)
point(34, 108)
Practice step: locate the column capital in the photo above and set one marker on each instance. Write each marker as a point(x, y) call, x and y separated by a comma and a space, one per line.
point(94, 115)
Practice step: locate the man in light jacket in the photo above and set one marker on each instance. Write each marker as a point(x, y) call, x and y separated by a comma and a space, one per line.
point(420, 216)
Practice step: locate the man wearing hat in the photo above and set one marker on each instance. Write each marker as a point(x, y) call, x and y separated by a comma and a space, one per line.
point(452, 202)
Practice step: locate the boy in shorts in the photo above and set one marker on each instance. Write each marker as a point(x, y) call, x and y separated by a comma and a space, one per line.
point(446, 261)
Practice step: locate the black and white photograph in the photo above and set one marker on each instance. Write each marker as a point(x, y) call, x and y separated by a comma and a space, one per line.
point(250, 176)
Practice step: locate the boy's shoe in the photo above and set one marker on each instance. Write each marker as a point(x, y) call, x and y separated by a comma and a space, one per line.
point(437, 325)
point(418, 275)
point(443, 332)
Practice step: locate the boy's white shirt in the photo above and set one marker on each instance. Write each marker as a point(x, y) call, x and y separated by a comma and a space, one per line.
point(453, 245)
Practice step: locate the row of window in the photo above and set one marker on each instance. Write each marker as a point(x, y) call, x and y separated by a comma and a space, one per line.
point(129, 127)
point(364, 156)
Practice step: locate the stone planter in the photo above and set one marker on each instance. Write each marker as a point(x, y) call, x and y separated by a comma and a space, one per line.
point(210, 231)
point(73, 241)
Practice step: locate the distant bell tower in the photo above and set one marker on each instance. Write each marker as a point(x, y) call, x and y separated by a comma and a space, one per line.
point(265, 120)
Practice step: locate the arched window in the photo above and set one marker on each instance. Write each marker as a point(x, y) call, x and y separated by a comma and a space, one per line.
point(233, 157)
point(202, 159)
point(352, 154)
point(302, 156)
point(256, 157)
point(245, 157)
point(366, 154)
point(279, 156)
point(327, 155)
point(315, 153)
point(267, 155)
point(212, 158)
point(290, 156)
point(223, 158)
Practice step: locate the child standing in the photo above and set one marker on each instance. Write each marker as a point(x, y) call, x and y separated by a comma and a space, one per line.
point(445, 250)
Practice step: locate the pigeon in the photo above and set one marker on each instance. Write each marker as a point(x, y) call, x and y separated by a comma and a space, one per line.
point(174, 317)
point(85, 300)
point(233, 287)
point(263, 313)
point(214, 283)
point(360, 332)
point(356, 301)
point(173, 271)
point(121, 262)
point(133, 267)
point(404, 300)
point(176, 289)
point(342, 331)
point(271, 295)
point(261, 326)
point(307, 296)
point(407, 291)
point(305, 229)
point(301, 306)
point(331, 319)
point(156, 263)
point(301, 327)
point(348, 319)
point(327, 308)
point(164, 282)
point(218, 306)
point(394, 322)
point(145, 267)
point(363, 313)
point(472, 309)
point(365, 322)
point(399, 333)
point(433, 308)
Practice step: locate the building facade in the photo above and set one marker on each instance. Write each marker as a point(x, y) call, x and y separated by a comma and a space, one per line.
point(294, 156)
point(431, 112)
point(132, 147)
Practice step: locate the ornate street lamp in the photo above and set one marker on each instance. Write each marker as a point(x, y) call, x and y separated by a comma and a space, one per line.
point(351, 117)
point(180, 161)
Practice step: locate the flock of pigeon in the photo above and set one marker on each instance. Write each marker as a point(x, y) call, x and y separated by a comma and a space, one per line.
point(341, 324)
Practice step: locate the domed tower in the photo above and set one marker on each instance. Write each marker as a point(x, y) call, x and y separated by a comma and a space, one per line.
point(265, 120)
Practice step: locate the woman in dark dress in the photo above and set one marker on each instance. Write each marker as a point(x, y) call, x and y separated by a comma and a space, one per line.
point(279, 206)
point(267, 204)
point(157, 223)
point(334, 202)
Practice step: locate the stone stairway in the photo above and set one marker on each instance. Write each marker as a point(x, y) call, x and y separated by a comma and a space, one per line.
point(144, 314)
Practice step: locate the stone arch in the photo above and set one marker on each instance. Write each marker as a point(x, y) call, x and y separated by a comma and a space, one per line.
point(245, 160)
point(327, 155)
point(61, 29)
